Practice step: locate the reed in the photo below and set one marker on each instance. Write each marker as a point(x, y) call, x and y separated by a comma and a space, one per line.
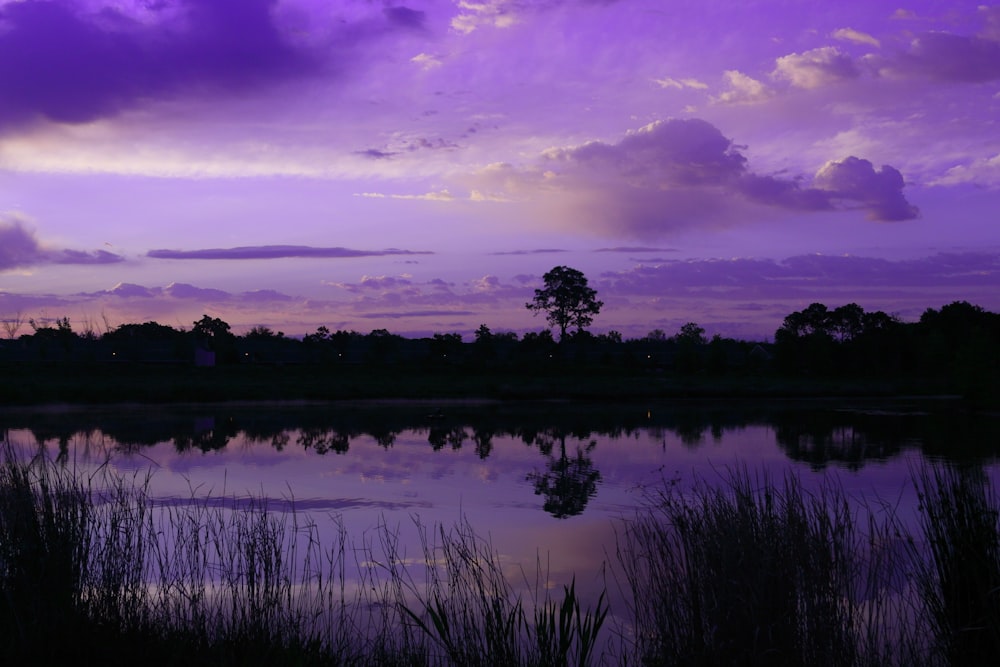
point(748, 571)
point(959, 575)
point(95, 562)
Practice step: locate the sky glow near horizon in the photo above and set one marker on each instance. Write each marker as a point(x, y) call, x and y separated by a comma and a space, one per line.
point(417, 166)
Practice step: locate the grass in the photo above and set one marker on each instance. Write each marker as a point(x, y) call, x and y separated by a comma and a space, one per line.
point(748, 571)
point(960, 574)
point(762, 574)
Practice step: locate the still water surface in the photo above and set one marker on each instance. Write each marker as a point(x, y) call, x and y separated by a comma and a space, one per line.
point(543, 481)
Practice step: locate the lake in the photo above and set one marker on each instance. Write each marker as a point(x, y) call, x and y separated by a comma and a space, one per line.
point(544, 482)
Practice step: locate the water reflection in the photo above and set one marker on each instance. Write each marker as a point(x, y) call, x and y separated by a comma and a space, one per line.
point(567, 484)
point(576, 449)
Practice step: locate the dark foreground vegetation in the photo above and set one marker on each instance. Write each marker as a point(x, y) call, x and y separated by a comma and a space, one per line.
point(816, 351)
point(750, 572)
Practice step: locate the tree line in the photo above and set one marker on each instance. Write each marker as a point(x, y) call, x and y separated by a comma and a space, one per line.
point(959, 342)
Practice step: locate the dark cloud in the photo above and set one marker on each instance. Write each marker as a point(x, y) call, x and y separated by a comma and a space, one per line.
point(416, 313)
point(782, 193)
point(186, 291)
point(60, 61)
point(947, 57)
point(129, 291)
point(880, 192)
point(376, 154)
point(20, 248)
point(806, 273)
point(632, 249)
point(265, 296)
point(682, 153)
point(383, 282)
point(81, 257)
point(539, 251)
point(278, 252)
point(405, 17)
point(678, 173)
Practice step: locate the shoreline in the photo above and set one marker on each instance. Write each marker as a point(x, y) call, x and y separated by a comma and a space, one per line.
point(104, 385)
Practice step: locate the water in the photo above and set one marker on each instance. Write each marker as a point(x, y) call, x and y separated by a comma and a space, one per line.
point(544, 482)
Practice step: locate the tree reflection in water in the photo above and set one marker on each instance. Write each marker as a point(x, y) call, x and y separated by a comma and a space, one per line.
point(322, 441)
point(439, 436)
point(846, 433)
point(568, 483)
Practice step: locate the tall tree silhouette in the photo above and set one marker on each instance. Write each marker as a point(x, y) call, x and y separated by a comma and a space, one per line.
point(567, 300)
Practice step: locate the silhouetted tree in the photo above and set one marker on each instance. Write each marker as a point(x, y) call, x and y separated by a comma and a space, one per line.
point(691, 333)
point(690, 340)
point(261, 332)
point(216, 335)
point(566, 299)
point(446, 345)
point(11, 325)
point(147, 341)
point(847, 322)
point(536, 345)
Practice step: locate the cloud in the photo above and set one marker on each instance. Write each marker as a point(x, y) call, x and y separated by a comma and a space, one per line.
point(441, 195)
point(743, 89)
point(384, 282)
point(804, 273)
point(186, 291)
point(278, 252)
point(376, 154)
point(855, 180)
point(61, 61)
point(816, 68)
point(405, 17)
point(390, 315)
point(943, 56)
point(635, 249)
point(484, 13)
point(537, 251)
point(856, 36)
point(680, 173)
point(983, 171)
point(265, 296)
point(130, 290)
point(19, 248)
point(426, 61)
point(667, 82)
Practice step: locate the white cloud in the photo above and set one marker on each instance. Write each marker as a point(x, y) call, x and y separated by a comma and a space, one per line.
point(440, 195)
point(816, 68)
point(983, 171)
point(473, 15)
point(426, 61)
point(856, 36)
point(477, 195)
point(667, 82)
point(743, 89)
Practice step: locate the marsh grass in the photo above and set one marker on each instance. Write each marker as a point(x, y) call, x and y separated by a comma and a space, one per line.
point(750, 574)
point(959, 575)
point(474, 615)
point(748, 571)
point(95, 562)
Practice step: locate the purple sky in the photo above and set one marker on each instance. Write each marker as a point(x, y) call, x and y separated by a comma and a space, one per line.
point(417, 166)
